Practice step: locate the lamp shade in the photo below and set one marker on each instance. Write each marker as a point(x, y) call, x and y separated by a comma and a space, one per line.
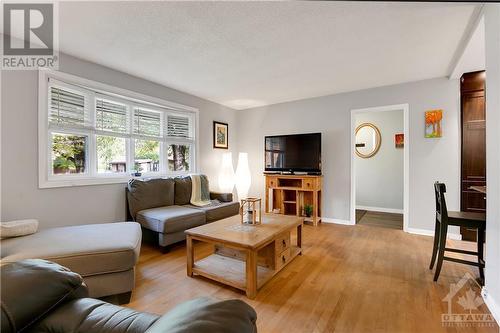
point(226, 173)
point(243, 177)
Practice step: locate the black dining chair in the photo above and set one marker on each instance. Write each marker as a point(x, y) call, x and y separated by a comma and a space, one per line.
point(444, 218)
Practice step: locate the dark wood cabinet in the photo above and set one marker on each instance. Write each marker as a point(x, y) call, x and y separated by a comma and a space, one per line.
point(473, 119)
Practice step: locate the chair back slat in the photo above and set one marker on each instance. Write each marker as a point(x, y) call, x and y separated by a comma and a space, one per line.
point(441, 209)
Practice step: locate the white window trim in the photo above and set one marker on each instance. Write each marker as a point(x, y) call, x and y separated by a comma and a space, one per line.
point(46, 180)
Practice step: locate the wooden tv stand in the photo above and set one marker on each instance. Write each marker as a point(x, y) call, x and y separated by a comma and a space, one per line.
point(289, 194)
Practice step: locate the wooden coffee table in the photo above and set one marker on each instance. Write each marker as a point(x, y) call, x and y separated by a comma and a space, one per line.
point(245, 256)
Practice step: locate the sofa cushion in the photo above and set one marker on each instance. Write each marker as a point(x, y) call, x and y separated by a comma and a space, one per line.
point(218, 210)
point(87, 315)
point(171, 218)
point(183, 189)
point(86, 249)
point(144, 194)
point(43, 286)
point(208, 315)
point(224, 197)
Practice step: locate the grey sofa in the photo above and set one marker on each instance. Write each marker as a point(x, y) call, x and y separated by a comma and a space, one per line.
point(104, 254)
point(41, 296)
point(163, 206)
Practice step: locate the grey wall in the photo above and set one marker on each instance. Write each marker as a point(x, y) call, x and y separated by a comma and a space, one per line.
point(492, 270)
point(21, 197)
point(430, 159)
point(379, 179)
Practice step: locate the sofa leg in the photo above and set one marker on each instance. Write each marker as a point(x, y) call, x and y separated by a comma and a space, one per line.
point(165, 249)
point(124, 298)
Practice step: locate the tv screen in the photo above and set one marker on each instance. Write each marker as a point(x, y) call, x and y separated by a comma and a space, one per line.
point(297, 152)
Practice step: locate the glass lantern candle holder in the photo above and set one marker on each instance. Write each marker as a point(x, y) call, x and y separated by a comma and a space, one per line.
point(251, 211)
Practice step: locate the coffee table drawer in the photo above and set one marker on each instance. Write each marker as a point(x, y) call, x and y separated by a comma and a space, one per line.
point(282, 259)
point(282, 242)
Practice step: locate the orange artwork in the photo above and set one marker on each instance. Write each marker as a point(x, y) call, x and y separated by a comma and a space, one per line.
point(433, 123)
point(399, 140)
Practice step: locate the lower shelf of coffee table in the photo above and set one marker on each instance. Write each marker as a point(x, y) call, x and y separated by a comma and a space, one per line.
point(232, 271)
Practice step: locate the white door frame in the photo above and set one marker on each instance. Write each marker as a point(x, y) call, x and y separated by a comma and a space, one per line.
point(406, 173)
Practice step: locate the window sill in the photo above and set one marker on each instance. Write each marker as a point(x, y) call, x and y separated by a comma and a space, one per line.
point(92, 181)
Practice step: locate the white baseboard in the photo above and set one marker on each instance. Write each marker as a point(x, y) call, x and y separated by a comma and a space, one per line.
point(491, 304)
point(336, 221)
point(425, 232)
point(381, 209)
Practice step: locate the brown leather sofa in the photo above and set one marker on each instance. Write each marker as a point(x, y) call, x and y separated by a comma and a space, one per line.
point(41, 296)
point(163, 206)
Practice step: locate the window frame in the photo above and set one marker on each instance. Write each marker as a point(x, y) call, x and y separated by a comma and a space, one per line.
point(93, 90)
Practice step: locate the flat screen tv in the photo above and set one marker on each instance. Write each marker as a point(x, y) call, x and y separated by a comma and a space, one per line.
point(293, 153)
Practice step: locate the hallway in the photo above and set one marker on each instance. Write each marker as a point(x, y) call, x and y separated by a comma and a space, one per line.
point(379, 219)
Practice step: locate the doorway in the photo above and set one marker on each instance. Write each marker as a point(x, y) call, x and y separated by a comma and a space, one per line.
point(380, 166)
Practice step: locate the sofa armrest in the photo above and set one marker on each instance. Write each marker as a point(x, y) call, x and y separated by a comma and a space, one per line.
point(222, 197)
point(208, 315)
point(93, 315)
point(31, 288)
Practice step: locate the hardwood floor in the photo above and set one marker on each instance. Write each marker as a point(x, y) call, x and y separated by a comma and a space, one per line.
point(359, 214)
point(379, 219)
point(349, 279)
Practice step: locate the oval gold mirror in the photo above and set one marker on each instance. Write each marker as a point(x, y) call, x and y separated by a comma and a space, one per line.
point(368, 140)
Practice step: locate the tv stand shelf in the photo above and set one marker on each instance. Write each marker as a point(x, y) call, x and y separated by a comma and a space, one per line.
point(288, 194)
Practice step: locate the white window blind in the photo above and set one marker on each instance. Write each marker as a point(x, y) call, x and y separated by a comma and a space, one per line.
point(91, 133)
point(67, 108)
point(147, 122)
point(178, 126)
point(111, 116)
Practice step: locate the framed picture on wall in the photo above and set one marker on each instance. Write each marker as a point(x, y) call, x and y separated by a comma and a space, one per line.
point(221, 136)
point(433, 123)
point(399, 140)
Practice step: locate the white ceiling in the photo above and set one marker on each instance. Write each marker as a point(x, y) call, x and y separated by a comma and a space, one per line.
point(246, 54)
point(474, 55)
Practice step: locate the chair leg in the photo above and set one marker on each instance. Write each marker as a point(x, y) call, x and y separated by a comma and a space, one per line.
point(442, 244)
point(480, 252)
point(436, 244)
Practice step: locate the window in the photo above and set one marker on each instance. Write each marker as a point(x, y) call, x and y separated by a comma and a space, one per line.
point(178, 157)
point(179, 152)
point(111, 154)
point(69, 153)
point(92, 133)
point(178, 126)
point(67, 108)
point(111, 116)
point(147, 156)
point(147, 122)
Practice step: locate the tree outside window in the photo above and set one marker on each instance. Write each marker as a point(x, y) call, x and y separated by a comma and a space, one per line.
point(147, 156)
point(111, 154)
point(68, 153)
point(178, 157)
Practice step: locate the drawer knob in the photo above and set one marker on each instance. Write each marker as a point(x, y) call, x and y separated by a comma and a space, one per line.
point(284, 243)
point(283, 259)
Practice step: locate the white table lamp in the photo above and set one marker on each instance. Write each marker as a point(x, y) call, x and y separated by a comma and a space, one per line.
point(243, 176)
point(226, 174)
